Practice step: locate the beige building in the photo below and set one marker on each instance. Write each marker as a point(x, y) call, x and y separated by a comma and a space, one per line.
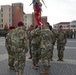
point(64, 24)
point(5, 16)
point(28, 20)
point(44, 19)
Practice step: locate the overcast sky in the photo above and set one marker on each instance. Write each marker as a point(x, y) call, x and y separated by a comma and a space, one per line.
point(56, 11)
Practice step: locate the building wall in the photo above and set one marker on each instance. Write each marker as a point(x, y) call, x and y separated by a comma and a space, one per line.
point(28, 20)
point(5, 16)
point(66, 25)
point(44, 19)
point(17, 13)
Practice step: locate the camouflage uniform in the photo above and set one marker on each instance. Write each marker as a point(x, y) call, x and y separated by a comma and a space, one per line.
point(54, 40)
point(35, 45)
point(20, 47)
point(8, 46)
point(29, 35)
point(29, 38)
point(46, 47)
point(61, 41)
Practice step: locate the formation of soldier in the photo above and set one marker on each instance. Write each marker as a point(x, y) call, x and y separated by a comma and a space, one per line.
point(41, 41)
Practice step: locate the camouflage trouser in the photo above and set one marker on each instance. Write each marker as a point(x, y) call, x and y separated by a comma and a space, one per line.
point(52, 51)
point(19, 62)
point(60, 48)
point(36, 53)
point(30, 52)
point(11, 60)
point(45, 57)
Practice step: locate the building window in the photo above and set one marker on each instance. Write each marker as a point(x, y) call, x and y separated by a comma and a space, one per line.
point(9, 9)
point(1, 20)
point(25, 16)
point(1, 15)
point(1, 26)
point(1, 9)
point(73, 26)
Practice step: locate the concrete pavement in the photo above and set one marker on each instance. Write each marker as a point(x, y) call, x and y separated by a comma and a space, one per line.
point(67, 67)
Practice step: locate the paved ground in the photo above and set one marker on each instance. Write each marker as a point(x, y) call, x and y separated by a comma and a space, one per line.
point(67, 67)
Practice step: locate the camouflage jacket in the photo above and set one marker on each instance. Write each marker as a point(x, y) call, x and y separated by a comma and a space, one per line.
point(35, 37)
point(19, 40)
point(61, 37)
point(46, 39)
point(8, 43)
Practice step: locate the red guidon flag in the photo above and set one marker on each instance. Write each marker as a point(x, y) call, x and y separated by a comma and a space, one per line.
point(37, 14)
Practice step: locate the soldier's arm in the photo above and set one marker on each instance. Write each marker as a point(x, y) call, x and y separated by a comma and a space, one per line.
point(57, 35)
point(6, 45)
point(7, 41)
point(65, 36)
point(26, 42)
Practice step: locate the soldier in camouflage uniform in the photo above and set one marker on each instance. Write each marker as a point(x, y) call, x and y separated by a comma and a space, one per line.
point(8, 46)
point(29, 37)
point(20, 47)
point(35, 46)
point(61, 42)
point(54, 39)
point(46, 47)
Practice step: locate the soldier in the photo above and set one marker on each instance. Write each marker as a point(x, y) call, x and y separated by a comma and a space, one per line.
point(54, 39)
point(20, 47)
point(8, 46)
point(46, 47)
point(61, 42)
point(35, 46)
point(29, 37)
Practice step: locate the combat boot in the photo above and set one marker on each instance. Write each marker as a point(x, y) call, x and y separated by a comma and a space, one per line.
point(20, 73)
point(45, 72)
point(60, 59)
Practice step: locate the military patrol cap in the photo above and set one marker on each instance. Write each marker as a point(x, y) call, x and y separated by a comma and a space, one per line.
point(20, 23)
point(11, 27)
